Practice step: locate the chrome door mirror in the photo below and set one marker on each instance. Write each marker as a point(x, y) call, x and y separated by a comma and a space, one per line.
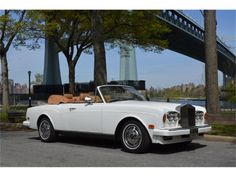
point(88, 99)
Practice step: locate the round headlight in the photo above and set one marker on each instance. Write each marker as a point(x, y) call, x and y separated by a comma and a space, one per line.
point(199, 115)
point(172, 116)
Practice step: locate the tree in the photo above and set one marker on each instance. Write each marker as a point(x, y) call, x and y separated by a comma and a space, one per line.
point(70, 31)
point(137, 28)
point(75, 32)
point(38, 79)
point(212, 89)
point(12, 27)
point(100, 70)
point(231, 91)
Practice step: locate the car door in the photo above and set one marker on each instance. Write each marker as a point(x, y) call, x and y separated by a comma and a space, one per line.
point(82, 117)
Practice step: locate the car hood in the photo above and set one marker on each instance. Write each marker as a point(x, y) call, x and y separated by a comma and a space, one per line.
point(163, 106)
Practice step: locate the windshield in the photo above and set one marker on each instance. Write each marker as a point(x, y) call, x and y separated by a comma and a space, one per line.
point(120, 93)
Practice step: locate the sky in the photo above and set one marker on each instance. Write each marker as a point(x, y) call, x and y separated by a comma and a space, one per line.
point(159, 70)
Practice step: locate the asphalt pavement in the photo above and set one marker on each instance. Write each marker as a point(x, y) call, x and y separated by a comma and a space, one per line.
point(24, 149)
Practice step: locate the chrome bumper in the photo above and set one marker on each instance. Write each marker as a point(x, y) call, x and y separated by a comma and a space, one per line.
point(181, 131)
point(26, 123)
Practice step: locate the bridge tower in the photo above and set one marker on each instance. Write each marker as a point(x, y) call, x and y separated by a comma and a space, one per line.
point(128, 66)
point(51, 74)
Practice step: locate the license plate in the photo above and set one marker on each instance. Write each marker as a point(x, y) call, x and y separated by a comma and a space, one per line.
point(193, 132)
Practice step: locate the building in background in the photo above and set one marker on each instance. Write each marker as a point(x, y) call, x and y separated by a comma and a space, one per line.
point(15, 88)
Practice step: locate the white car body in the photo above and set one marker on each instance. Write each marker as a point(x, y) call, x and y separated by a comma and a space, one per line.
point(104, 118)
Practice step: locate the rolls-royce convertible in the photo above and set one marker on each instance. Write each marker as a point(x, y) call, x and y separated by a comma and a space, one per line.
point(120, 111)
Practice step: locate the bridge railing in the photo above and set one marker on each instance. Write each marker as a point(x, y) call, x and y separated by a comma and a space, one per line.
point(182, 21)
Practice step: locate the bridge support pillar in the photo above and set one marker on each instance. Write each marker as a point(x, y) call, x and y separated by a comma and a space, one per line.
point(51, 74)
point(128, 66)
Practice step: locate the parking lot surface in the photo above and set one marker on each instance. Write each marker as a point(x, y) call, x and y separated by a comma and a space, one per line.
point(25, 149)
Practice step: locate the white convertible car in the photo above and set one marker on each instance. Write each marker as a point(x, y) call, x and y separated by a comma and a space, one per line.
point(122, 112)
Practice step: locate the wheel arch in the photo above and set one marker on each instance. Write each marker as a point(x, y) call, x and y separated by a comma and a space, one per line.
point(129, 118)
point(44, 116)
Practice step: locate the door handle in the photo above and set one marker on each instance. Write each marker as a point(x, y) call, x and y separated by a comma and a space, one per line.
point(72, 109)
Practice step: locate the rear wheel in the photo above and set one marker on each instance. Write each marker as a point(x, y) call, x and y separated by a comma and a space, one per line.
point(134, 137)
point(46, 130)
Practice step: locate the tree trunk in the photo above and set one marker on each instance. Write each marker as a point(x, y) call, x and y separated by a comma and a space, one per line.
point(71, 78)
point(5, 83)
point(100, 70)
point(212, 89)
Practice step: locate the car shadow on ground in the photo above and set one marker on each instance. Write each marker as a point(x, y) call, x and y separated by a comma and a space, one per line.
point(107, 142)
point(77, 139)
point(175, 148)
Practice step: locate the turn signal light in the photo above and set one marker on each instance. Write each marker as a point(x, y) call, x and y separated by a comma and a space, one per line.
point(151, 126)
point(206, 118)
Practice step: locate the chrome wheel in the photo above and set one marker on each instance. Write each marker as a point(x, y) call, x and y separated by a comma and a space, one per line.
point(45, 129)
point(132, 136)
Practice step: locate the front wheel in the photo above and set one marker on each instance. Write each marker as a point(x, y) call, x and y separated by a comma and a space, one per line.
point(134, 137)
point(46, 130)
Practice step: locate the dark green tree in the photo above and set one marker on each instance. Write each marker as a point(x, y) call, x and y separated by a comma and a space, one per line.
point(13, 32)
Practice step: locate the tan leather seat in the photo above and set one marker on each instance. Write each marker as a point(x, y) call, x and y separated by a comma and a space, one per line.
point(68, 98)
point(107, 98)
point(57, 99)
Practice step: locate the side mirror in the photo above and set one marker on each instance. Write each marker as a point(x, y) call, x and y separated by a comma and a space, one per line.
point(88, 99)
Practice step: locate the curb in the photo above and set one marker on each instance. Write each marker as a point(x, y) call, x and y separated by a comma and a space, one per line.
point(12, 126)
point(229, 139)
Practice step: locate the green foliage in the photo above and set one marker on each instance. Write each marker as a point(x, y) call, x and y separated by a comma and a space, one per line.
point(183, 90)
point(70, 30)
point(16, 30)
point(231, 94)
point(139, 28)
point(3, 116)
point(38, 79)
point(19, 108)
point(223, 130)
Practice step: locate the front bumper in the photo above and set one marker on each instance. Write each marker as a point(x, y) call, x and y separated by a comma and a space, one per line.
point(169, 136)
point(26, 123)
point(180, 131)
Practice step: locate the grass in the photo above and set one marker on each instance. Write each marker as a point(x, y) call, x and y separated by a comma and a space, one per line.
point(4, 117)
point(223, 130)
point(19, 108)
